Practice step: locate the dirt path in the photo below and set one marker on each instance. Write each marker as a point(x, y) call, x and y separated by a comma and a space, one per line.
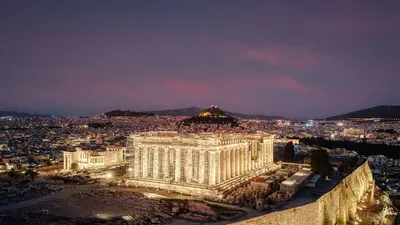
point(250, 212)
point(34, 201)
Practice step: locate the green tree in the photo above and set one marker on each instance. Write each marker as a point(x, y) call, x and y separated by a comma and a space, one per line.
point(48, 162)
point(31, 174)
point(13, 174)
point(320, 162)
point(288, 151)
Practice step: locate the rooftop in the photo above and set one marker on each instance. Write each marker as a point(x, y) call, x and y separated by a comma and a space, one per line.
point(298, 177)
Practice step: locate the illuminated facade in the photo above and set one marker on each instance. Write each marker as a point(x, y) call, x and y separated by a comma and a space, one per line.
point(87, 159)
point(198, 164)
point(353, 132)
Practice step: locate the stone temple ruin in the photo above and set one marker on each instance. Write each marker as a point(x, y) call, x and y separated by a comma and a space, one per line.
point(204, 164)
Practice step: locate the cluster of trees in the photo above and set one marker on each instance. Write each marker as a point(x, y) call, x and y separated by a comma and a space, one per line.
point(389, 131)
point(100, 125)
point(120, 112)
point(29, 173)
point(288, 152)
point(362, 148)
point(320, 162)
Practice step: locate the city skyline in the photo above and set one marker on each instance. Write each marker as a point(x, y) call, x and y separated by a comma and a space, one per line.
point(296, 60)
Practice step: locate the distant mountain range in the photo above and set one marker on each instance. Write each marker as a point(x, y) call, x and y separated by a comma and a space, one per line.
point(21, 114)
point(190, 111)
point(382, 111)
point(193, 111)
point(120, 112)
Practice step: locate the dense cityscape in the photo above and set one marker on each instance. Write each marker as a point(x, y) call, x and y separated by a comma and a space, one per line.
point(199, 112)
point(42, 156)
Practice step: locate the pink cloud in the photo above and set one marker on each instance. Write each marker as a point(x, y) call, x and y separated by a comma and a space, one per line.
point(288, 82)
point(187, 87)
point(164, 92)
point(292, 84)
point(208, 88)
point(291, 57)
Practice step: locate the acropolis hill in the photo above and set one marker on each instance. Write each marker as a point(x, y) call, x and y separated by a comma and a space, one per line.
point(210, 165)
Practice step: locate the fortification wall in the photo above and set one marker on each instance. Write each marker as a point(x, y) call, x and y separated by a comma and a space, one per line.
point(338, 205)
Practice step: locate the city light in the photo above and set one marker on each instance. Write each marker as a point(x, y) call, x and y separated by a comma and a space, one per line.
point(297, 144)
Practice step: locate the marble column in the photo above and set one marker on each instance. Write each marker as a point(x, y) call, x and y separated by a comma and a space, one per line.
point(145, 159)
point(264, 148)
point(241, 160)
point(218, 167)
point(211, 169)
point(228, 164)
point(235, 162)
point(166, 163)
point(177, 165)
point(244, 150)
point(136, 164)
point(259, 153)
point(245, 159)
point(264, 154)
point(233, 165)
point(65, 162)
point(271, 151)
point(223, 165)
point(202, 164)
point(156, 163)
point(238, 162)
point(189, 165)
point(195, 154)
point(249, 160)
point(253, 149)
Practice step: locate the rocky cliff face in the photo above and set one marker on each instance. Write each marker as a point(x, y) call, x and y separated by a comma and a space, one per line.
point(354, 201)
point(381, 211)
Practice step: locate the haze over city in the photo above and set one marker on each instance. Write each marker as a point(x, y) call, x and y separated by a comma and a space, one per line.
point(294, 59)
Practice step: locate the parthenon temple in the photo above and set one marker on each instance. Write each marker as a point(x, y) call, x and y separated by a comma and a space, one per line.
point(206, 164)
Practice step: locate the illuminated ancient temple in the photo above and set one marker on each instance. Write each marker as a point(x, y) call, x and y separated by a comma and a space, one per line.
point(199, 164)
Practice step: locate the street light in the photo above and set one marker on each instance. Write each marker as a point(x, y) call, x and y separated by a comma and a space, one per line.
point(108, 175)
point(130, 169)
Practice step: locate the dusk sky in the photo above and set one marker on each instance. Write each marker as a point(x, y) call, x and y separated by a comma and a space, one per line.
point(302, 59)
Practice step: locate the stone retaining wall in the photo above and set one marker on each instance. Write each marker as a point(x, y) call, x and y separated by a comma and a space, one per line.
point(337, 206)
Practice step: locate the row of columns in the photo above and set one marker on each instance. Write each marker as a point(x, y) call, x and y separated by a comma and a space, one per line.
point(236, 161)
point(172, 163)
point(211, 167)
point(231, 163)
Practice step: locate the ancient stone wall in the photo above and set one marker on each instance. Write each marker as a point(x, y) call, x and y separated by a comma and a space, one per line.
point(337, 206)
